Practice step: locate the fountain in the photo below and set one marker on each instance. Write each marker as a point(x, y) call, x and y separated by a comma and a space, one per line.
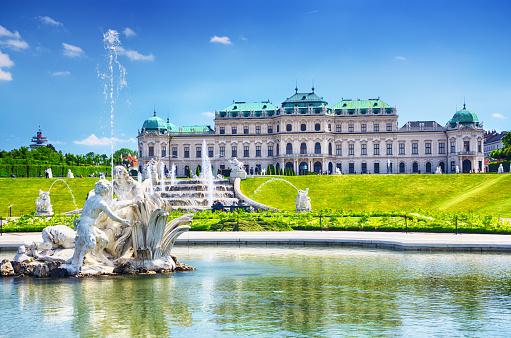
point(302, 200)
point(173, 175)
point(126, 235)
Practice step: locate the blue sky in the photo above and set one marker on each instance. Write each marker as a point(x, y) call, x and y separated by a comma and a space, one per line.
point(190, 58)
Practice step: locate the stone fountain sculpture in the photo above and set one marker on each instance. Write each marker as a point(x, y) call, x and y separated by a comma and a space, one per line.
point(43, 204)
point(303, 202)
point(237, 170)
point(126, 235)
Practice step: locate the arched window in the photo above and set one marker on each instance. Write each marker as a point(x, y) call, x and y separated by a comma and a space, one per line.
point(303, 148)
point(318, 168)
point(330, 167)
point(401, 168)
point(289, 165)
point(289, 148)
point(317, 148)
point(442, 166)
point(428, 167)
point(329, 127)
point(415, 167)
point(303, 168)
point(330, 149)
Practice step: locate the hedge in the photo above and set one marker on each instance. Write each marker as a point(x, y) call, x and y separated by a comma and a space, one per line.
point(493, 167)
point(36, 170)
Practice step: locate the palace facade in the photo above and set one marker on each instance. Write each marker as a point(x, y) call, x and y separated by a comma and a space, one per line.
point(306, 134)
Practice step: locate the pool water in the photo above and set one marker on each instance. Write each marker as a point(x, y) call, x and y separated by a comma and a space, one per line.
point(274, 291)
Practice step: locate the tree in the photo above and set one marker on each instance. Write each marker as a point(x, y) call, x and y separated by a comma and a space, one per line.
point(506, 140)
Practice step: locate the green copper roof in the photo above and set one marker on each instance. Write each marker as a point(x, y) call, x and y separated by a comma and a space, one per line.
point(361, 104)
point(193, 129)
point(154, 123)
point(304, 99)
point(463, 117)
point(249, 106)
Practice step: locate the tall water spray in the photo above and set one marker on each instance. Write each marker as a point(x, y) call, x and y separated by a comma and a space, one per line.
point(173, 175)
point(114, 80)
point(162, 177)
point(207, 173)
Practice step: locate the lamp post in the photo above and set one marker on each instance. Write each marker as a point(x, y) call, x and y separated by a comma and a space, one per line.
point(10, 207)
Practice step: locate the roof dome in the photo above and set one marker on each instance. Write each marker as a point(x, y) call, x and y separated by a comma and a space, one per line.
point(463, 117)
point(154, 123)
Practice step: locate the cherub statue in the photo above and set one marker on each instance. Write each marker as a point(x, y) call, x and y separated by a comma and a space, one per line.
point(43, 202)
point(303, 202)
point(89, 237)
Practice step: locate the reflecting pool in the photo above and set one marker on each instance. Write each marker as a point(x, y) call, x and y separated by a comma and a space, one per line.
point(277, 291)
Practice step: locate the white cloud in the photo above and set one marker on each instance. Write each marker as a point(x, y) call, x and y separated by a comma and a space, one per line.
point(402, 58)
point(72, 51)
point(5, 62)
point(128, 32)
point(61, 73)
point(134, 55)
point(56, 142)
point(243, 38)
point(499, 116)
point(221, 39)
point(208, 114)
point(93, 140)
point(12, 40)
point(49, 21)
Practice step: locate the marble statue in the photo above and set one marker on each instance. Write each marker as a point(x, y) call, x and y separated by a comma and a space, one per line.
point(87, 235)
point(501, 169)
point(438, 170)
point(303, 202)
point(43, 203)
point(237, 169)
point(57, 236)
point(70, 174)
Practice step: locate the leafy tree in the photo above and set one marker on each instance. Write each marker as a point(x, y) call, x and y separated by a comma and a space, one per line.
point(506, 140)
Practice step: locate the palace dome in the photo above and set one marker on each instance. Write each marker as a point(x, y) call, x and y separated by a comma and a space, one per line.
point(154, 124)
point(463, 117)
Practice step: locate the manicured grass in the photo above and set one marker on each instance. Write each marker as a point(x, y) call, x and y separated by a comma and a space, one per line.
point(479, 193)
point(22, 193)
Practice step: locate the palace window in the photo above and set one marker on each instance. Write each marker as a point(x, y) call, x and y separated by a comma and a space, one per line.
point(187, 151)
point(317, 126)
point(363, 127)
point(389, 148)
point(415, 167)
point(389, 126)
point(198, 152)
point(330, 149)
point(278, 130)
point(453, 166)
point(339, 166)
point(377, 149)
point(234, 151)
point(222, 130)
point(350, 128)
point(258, 151)
point(466, 146)
point(351, 149)
point(479, 146)
point(163, 151)
point(210, 151)
point(245, 130)
point(278, 150)
point(289, 127)
point(376, 127)
point(453, 146)
point(338, 149)
point(234, 130)
point(363, 149)
point(303, 148)
point(270, 129)
point(174, 152)
point(428, 167)
point(428, 148)
point(289, 148)
point(245, 151)
point(222, 151)
point(329, 127)
point(303, 127)
point(351, 168)
point(441, 148)
point(317, 148)
point(151, 151)
point(415, 148)
point(258, 129)
point(401, 148)
point(270, 151)
point(364, 168)
point(376, 168)
point(338, 128)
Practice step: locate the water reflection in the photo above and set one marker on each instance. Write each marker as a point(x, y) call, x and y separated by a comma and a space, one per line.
point(275, 291)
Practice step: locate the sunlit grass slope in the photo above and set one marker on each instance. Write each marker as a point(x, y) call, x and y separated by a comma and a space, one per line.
point(22, 193)
point(479, 193)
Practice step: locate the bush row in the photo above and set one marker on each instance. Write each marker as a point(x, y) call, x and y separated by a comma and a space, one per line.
point(36, 170)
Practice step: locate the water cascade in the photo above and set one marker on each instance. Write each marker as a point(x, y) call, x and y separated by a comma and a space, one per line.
point(71, 191)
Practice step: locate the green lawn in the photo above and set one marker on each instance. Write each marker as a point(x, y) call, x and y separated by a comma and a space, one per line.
point(22, 193)
point(480, 193)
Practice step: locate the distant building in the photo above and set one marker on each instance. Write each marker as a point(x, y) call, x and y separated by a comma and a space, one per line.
point(492, 141)
point(39, 140)
point(305, 134)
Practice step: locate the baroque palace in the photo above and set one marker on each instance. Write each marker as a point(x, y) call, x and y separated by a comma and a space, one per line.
point(305, 134)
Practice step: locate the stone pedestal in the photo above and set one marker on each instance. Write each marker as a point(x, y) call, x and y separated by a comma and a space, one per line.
point(241, 174)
